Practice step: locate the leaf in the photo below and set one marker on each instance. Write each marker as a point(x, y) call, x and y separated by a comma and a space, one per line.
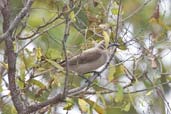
point(28, 58)
point(83, 105)
point(114, 11)
point(56, 65)
point(112, 71)
point(38, 53)
point(119, 94)
point(21, 79)
point(119, 70)
point(122, 45)
point(81, 19)
point(168, 77)
point(69, 104)
point(4, 65)
point(102, 99)
point(106, 38)
point(37, 83)
point(72, 16)
point(127, 107)
point(7, 108)
point(149, 93)
point(20, 83)
point(53, 54)
point(95, 106)
point(14, 44)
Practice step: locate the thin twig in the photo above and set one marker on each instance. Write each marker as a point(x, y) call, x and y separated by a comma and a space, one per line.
point(108, 91)
point(54, 100)
point(66, 34)
point(136, 11)
point(40, 27)
point(37, 36)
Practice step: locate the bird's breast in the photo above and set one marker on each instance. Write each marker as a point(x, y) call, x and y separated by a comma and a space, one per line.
point(91, 65)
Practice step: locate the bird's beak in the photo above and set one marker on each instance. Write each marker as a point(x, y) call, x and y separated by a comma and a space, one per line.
point(113, 44)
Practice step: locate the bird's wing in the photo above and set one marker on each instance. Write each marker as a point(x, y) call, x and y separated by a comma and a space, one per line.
point(85, 57)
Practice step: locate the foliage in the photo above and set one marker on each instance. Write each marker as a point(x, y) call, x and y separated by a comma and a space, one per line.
point(137, 75)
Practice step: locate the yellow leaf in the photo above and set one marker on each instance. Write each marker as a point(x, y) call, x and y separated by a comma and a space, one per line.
point(114, 11)
point(153, 20)
point(15, 46)
point(68, 106)
point(83, 105)
point(72, 16)
point(4, 65)
point(149, 93)
point(38, 53)
point(106, 38)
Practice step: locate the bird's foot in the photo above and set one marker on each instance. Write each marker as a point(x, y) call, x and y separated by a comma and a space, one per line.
point(98, 74)
point(86, 79)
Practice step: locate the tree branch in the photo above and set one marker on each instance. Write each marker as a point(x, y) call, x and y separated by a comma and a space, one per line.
point(57, 99)
point(10, 53)
point(17, 20)
point(66, 34)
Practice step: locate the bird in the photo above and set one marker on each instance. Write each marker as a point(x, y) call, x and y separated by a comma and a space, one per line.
point(89, 60)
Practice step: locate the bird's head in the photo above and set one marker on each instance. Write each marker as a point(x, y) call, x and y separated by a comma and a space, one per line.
point(102, 45)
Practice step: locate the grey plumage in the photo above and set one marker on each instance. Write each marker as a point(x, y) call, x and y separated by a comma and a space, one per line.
point(89, 60)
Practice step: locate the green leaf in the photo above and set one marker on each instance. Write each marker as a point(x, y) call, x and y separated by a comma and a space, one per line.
point(7, 108)
point(112, 71)
point(53, 54)
point(21, 79)
point(28, 58)
point(168, 77)
point(119, 94)
point(114, 11)
point(122, 45)
point(56, 65)
point(20, 83)
point(37, 83)
point(119, 70)
point(69, 104)
point(127, 107)
point(81, 18)
point(95, 106)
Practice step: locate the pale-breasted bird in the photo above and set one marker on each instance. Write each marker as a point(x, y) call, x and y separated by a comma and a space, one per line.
point(89, 60)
